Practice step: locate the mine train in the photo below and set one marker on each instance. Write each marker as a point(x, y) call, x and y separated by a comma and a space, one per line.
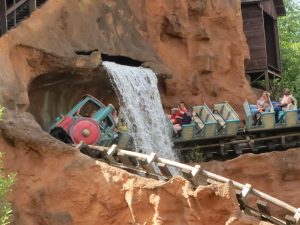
point(213, 134)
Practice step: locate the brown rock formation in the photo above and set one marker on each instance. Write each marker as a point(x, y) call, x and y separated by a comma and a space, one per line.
point(275, 173)
point(199, 42)
point(203, 44)
point(50, 60)
point(58, 185)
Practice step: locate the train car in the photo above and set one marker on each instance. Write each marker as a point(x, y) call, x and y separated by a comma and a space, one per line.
point(230, 137)
point(215, 133)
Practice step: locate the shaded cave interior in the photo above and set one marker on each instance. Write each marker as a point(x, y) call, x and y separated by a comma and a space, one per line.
point(53, 94)
point(56, 93)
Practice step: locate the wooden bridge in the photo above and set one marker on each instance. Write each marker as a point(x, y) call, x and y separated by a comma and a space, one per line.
point(12, 12)
point(152, 166)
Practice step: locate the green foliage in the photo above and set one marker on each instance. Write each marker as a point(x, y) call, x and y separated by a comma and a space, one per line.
point(1, 111)
point(289, 32)
point(6, 181)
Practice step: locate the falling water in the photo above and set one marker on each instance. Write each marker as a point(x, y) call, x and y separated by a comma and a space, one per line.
point(140, 100)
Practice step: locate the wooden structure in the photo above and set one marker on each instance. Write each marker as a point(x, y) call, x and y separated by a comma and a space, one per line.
point(12, 12)
point(260, 27)
point(154, 167)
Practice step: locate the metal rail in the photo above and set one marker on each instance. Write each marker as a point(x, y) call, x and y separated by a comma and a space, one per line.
point(134, 161)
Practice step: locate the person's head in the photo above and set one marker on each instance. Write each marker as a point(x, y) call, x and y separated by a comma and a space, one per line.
point(286, 91)
point(266, 104)
point(174, 111)
point(181, 105)
point(265, 94)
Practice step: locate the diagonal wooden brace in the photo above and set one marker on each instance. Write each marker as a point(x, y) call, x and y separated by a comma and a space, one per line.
point(297, 216)
point(151, 158)
point(196, 172)
point(110, 153)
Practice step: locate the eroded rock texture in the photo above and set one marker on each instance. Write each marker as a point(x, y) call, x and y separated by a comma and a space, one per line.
point(58, 185)
point(199, 43)
point(275, 173)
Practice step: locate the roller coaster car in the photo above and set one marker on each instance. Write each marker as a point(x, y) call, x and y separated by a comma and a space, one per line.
point(215, 134)
point(222, 121)
point(89, 121)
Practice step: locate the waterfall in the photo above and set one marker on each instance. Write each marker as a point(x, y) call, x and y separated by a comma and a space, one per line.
point(139, 98)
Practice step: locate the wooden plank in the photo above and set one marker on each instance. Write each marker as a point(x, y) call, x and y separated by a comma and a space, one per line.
point(111, 152)
point(253, 24)
point(125, 159)
point(15, 6)
point(148, 167)
point(290, 220)
point(164, 169)
point(269, 8)
point(3, 18)
point(263, 207)
point(32, 5)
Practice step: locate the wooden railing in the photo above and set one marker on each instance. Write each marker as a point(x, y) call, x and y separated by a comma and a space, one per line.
point(12, 12)
point(153, 166)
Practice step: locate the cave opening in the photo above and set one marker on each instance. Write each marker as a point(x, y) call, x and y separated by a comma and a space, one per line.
point(123, 60)
point(53, 94)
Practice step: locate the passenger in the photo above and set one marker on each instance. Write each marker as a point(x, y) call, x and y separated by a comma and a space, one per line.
point(261, 101)
point(115, 116)
point(263, 105)
point(182, 109)
point(284, 102)
point(122, 125)
point(265, 108)
point(172, 117)
point(185, 119)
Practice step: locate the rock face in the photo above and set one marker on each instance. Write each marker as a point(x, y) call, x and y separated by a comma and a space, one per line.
point(50, 60)
point(58, 185)
point(275, 173)
point(203, 44)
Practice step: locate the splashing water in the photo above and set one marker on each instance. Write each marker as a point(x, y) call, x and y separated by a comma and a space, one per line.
point(139, 97)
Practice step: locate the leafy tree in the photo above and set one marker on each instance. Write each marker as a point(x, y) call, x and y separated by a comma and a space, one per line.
point(289, 31)
point(6, 181)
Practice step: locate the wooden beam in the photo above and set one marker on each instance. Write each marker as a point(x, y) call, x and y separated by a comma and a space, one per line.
point(32, 5)
point(263, 207)
point(3, 18)
point(15, 6)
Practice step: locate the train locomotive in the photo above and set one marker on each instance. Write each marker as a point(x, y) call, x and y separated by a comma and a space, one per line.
point(90, 122)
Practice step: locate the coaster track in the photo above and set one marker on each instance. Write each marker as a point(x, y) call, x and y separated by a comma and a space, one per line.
point(152, 166)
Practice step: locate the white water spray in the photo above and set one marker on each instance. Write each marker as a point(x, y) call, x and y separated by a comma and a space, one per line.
point(139, 97)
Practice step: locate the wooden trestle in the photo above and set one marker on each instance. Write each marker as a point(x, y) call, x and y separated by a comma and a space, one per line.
point(152, 166)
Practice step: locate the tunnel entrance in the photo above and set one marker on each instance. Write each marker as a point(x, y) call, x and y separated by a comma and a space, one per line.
point(53, 94)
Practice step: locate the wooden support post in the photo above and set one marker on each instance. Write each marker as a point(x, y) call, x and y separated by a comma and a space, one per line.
point(263, 208)
point(148, 167)
point(237, 150)
point(164, 170)
point(267, 81)
point(3, 17)
point(240, 201)
point(196, 175)
point(246, 190)
point(223, 152)
point(32, 5)
point(110, 153)
point(297, 216)
point(289, 220)
point(124, 159)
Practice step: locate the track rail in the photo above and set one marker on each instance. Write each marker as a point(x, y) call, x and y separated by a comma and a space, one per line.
point(153, 166)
